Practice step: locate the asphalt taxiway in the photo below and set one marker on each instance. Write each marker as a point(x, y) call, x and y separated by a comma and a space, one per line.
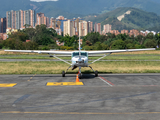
point(107, 97)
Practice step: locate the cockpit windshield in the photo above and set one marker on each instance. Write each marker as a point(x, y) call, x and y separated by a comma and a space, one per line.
point(77, 54)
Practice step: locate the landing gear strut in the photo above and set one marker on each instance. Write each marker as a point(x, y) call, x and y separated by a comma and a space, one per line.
point(79, 73)
point(63, 72)
point(96, 72)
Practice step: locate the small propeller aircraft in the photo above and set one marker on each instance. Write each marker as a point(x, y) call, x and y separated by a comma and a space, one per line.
point(79, 58)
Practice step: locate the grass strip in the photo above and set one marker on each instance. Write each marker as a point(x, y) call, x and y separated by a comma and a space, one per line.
point(52, 67)
point(2, 52)
point(111, 57)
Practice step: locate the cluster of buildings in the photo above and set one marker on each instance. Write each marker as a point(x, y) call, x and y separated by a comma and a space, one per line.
point(130, 33)
point(77, 26)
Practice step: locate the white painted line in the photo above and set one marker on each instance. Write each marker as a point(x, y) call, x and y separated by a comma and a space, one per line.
point(105, 81)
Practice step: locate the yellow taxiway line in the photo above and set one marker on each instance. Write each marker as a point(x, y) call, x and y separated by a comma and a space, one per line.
point(63, 83)
point(77, 113)
point(7, 84)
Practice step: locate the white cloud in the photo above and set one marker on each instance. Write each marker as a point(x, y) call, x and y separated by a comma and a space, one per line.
point(42, 0)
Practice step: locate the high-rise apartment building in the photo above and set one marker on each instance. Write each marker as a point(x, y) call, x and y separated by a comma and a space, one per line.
point(47, 22)
point(41, 19)
point(17, 19)
point(53, 23)
point(57, 25)
point(68, 28)
point(77, 25)
point(107, 28)
point(83, 28)
point(2, 25)
point(29, 17)
point(1, 21)
point(90, 26)
point(97, 27)
point(9, 16)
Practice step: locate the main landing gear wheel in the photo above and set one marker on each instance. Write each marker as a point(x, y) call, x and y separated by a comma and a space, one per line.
point(79, 76)
point(63, 74)
point(96, 73)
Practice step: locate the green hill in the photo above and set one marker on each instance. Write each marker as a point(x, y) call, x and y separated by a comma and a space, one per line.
point(137, 19)
point(75, 8)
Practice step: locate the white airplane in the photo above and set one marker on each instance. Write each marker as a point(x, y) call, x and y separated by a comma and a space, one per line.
point(79, 58)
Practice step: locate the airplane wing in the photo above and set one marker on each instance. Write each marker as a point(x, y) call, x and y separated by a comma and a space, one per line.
point(39, 51)
point(70, 52)
point(118, 51)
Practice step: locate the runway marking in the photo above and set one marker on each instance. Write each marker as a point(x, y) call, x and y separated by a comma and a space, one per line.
point(63, 83)
point(79, 113)
point(106, 81)
point(8, 84)
point(31, 77)
point(21, 99)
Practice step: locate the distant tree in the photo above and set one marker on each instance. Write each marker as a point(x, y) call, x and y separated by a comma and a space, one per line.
point(92, 37)
point(150, 36)
point(111, 36)
point(150, 43)
point(122, 36)
point(1, 45)
point(70, 41)
point(27, 25)
point(88, 43)
point(157, 38)
point(44, 36)
point(118, 44)
point(31, 32)
point(140, 39)
point(98, 46)
point(104, 46)
point(13, 43)
point(102, 38)
point(19, 35)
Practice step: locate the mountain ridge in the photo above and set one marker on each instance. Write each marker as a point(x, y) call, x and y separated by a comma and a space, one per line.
point(136, 19)
point(74, 8)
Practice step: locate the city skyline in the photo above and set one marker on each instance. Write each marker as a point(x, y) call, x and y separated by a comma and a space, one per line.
point(77, 26)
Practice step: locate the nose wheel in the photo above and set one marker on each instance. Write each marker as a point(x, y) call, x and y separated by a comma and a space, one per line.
point(80, 76)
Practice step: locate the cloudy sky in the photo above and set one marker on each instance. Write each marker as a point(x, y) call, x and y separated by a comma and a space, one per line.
point(42, 0)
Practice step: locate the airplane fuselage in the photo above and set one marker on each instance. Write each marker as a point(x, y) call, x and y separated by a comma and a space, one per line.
point(79, 61)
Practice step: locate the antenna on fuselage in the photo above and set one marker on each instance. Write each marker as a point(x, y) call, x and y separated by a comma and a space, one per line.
point(79, 48)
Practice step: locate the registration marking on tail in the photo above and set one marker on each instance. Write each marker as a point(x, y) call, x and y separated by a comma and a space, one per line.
point(63, 83)
point(8, 84)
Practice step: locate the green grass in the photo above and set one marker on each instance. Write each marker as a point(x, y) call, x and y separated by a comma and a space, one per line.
point(27, 67)
point(111, 57)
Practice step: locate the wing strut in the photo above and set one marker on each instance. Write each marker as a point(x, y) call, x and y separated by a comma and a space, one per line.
point(100, 58)
point(60, 59)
